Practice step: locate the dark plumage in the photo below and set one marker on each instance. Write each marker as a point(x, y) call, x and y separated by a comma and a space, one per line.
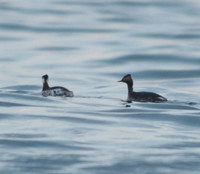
point(140, 96)
point(54, 91)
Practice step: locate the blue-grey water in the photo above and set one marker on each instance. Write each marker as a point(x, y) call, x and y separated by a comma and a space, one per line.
point(87, 46)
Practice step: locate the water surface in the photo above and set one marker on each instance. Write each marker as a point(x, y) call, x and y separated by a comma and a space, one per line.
point(87, 46)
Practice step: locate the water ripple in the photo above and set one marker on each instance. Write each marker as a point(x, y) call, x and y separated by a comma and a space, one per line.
point(54, 48)
point(36, 11)
point(149, 57)
point(172, 36)
point(26, 28)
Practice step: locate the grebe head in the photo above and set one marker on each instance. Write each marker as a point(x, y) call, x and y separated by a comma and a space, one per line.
point(45, 77)
point(126, 79)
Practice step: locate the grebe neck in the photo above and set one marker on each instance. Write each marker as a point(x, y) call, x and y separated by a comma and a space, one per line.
point(45, 86)
point(130, 86)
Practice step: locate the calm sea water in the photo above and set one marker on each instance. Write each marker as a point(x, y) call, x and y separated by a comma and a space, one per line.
point(87, 46)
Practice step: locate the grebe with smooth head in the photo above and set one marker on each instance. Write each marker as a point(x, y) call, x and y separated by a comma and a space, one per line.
point(140, 96)
point(54, 91)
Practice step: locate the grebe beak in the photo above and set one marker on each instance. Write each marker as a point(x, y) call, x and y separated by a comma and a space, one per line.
point(120, 81)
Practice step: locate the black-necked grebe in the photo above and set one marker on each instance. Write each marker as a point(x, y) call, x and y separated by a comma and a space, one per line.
point(140, 96)
point(54, 91)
